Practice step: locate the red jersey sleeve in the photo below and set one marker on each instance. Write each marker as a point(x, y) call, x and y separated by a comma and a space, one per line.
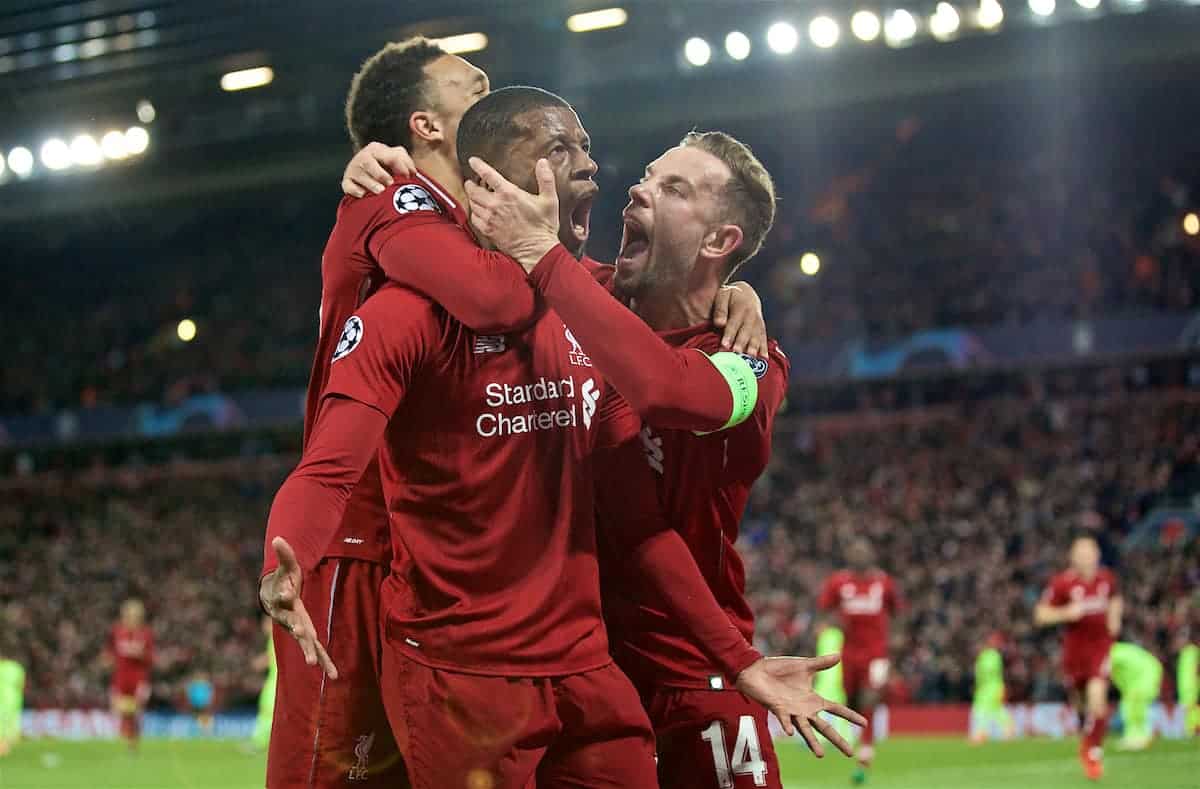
point(380, 350)
point(828, 599)
point(423, 249)
point(630, 510)
point(1056, 592)
point(752, 439)
point(672, 388)
point(618, 423)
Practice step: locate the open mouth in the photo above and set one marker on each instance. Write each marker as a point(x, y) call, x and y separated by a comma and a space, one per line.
point(581, 218)
point(635, 241)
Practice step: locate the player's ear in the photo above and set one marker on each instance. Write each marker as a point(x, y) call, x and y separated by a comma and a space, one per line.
point(721, 241)
point(426, 126)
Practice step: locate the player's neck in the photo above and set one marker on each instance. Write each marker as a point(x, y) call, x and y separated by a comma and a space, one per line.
point(668, 308)
point(444, 171)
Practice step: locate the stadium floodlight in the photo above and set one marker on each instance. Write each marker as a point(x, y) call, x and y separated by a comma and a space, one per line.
point(85, 151)
point(824, 31)
point(1042, 7)
point(113, 145)
point(810, 264)
point(20, 161)
point(137, 140)
point(56, 155)
point(186, 330)
point(1191, 224)
point(945, 22)
point(463, 43)
point(866, 25)
point(248, 78)
point(146, 112)
point(899, 28)
point(782, 38)
point(697, 51)
point(2, 167)
point(597, 20)
point(1090, 5)
point(737, 45)
point(990, 14)
point(93, 48)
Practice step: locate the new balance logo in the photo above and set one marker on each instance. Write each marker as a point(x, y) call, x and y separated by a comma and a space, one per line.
point(591, 396)
point(653, 446)
point(489, 343)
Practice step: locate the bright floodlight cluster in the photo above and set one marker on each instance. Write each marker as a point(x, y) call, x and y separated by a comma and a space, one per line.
point(81, 151)
point(898, 26)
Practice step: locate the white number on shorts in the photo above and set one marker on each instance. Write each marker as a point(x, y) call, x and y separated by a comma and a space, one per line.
point(747, 753)
point(877, 672)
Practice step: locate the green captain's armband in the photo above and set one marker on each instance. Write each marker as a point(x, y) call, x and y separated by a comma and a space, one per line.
point(742, 377)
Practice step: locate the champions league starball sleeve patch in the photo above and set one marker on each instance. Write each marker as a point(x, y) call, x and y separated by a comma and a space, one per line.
point(352, 334)
point(410, 198)
point(757, 366)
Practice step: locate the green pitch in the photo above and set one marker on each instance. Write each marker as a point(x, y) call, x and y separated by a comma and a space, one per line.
point(900, 764)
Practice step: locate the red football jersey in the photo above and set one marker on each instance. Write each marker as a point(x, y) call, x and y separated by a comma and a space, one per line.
point(487, 474)
point(132, 648)
point(703, 484)
point(1089, 634)
point(866, 602)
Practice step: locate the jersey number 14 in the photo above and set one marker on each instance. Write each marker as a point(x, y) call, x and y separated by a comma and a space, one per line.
point(747, 753)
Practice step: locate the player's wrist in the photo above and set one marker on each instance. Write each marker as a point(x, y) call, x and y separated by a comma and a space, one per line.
point(534, 251)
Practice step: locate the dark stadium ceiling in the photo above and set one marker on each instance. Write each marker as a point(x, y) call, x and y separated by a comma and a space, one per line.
point(72, 68)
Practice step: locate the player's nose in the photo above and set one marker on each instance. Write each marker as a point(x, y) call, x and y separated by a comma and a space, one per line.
point(586, 167)
point(639, 195)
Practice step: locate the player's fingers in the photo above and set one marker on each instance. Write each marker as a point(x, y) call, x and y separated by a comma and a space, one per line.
point(831, 734)
point(757, 347)
point(741, 341)
point(810, 739)
point(398, 161)
point(479, 196)
point(373, 176)
point(494, 180)
point(325, 661)
point(785, 720)
point(720, 315)
point(284, 554)
point(822, 662)
point(545, 179)
point(844, 712)
point(349, 187)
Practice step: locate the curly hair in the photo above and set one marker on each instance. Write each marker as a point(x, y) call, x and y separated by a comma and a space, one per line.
point(387, 90)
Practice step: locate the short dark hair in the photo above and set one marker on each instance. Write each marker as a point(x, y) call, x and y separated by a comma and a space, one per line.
point(491, 123)
point(387, 90)
point(749, 196)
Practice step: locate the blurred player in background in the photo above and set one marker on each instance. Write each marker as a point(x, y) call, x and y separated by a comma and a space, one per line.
point(12, 701)
point(865, 597)
point(266, 697)
point(989, 717)
point(130, 651)
point(1187, 680)
point(1137, 675)
point(1086, 599)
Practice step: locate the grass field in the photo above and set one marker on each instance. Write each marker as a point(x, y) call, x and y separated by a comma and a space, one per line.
point(901, 764)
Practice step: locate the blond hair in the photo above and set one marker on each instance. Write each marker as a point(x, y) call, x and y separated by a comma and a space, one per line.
point(748, 200)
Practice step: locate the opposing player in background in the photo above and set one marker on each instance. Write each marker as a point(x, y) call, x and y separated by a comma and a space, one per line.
point(12, 701)
point(130, 651)
point(1087, 600)
point(266, 697)
point(1137, 675)
point(865, 598)
point(989, 717)
point(701, 211)
point(1187, 682)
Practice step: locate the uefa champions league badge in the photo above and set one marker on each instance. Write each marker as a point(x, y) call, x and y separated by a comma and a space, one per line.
point(352, 334)
point(757, 366)
point(411, 198)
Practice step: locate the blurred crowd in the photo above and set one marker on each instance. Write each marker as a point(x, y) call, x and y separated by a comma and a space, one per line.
point(970, 505)
point(185, 540)
point(972, 509)
point(964, 211)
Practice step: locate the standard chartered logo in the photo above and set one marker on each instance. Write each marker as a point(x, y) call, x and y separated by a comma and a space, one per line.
point(546, 404)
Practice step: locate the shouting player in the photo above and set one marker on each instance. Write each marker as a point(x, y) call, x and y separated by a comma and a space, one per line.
point(702, 210)
point(1086, 599)
point(411, 94)
point(865, 598)
point(495, 663)
point(130, 650)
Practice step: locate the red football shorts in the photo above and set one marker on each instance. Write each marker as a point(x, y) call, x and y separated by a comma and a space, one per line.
point(712, 739)
point(866, 672)
point(334, 733)
point(482, 732)
point(1084, 665)
point(131, 683)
